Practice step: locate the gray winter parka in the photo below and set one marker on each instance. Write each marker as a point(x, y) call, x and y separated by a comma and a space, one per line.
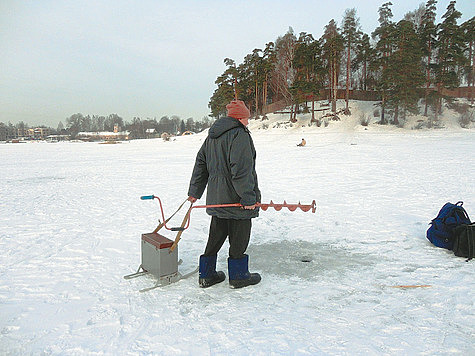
point(226, 162)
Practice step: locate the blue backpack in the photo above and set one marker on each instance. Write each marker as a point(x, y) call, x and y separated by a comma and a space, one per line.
point(441, 231)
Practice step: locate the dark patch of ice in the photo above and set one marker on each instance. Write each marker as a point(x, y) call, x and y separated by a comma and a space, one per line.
point(306, 260)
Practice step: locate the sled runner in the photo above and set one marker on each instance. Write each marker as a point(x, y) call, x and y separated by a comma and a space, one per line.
point(162, 281)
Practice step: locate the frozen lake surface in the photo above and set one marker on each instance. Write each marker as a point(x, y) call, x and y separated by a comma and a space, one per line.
point(71, 220)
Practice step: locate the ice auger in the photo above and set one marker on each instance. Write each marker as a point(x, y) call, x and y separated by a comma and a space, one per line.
point(186, 220)
point(160, 255)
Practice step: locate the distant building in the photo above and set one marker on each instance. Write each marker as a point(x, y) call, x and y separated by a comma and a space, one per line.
point(22, 132)
point(38, 133)
point(150, 133)
point(106, 136)
point(57, 138)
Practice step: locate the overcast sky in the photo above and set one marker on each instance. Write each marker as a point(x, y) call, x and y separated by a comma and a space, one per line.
point(146, 58)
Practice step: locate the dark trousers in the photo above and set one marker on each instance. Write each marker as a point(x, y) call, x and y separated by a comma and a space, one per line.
point(239, 232)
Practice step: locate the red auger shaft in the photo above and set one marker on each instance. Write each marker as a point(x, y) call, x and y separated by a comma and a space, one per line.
point(265, 206)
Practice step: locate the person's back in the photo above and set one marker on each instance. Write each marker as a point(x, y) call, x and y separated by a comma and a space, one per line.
point(229, 155)
point(226, 164)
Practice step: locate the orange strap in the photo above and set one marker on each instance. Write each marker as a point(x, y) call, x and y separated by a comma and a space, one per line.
point(178, 236)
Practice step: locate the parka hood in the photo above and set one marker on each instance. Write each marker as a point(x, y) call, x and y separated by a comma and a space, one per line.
point(223, 125)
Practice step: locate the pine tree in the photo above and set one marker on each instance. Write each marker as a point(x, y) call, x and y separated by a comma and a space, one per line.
point(225, 91)
point(268, 64)
point(351, 36)
point(384, 47)
point(245, 85)
point(255, 69)
point(427, 33)
point(468, 30)
point(303, 63)
point(317, 72)
point(404, 84)
point(332, 50)
point(449, 53)
point(364, 56)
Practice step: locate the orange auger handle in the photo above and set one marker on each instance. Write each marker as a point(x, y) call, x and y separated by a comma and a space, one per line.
point(164, 223)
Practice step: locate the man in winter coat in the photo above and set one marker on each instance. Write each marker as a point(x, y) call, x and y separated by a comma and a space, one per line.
point(226, 163)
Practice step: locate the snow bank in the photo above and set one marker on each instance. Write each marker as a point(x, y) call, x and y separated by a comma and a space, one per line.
point(365, 115)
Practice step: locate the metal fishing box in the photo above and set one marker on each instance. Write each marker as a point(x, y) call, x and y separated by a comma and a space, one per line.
point(157, 258)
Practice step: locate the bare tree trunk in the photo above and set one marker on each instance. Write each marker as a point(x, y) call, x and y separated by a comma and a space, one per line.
point(364, 75)
point(330, 75)
point(427, 80)
point(347, 98)
point(438, 102)
point(472, 75)
point(264, 94)
point(265, 89)
point(257, 99)
point(335, 86)
point(313, 108)
point(396, 115)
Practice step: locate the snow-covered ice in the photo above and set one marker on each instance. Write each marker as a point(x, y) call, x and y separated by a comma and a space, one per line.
point(71, 220)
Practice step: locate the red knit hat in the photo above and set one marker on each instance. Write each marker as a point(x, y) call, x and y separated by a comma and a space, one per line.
point(238, 110)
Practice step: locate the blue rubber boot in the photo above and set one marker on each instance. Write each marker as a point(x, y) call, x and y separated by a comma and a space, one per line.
point(239, 275)
point(208, 274)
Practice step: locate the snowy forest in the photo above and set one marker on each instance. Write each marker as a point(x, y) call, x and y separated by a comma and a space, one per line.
point(398, 64)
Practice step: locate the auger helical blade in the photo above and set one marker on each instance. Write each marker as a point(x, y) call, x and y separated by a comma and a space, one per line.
point(309, 207)
point(291, 207)
point(274, 206)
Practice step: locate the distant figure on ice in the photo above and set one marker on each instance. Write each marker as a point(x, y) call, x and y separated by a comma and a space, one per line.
point(303, 143)
point(226, 163)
